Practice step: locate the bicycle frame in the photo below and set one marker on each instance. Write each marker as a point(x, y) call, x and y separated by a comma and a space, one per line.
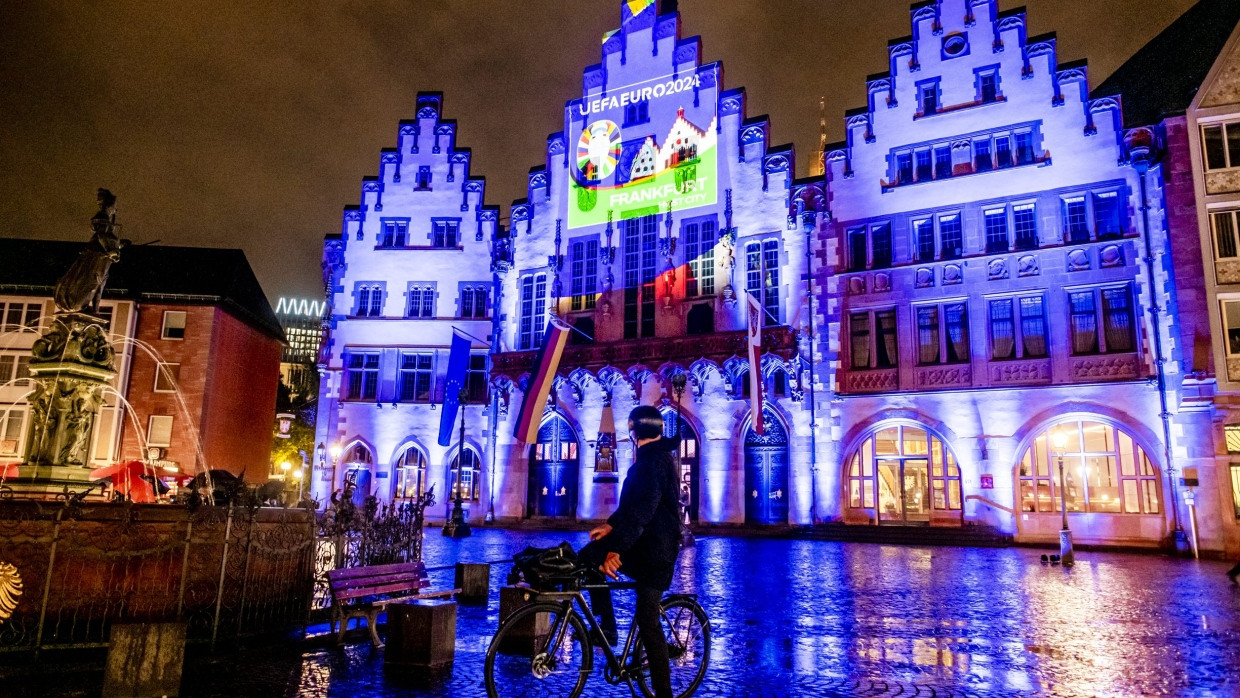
point(574, 603)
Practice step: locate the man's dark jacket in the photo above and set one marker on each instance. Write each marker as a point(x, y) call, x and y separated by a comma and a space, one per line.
point(646, 525)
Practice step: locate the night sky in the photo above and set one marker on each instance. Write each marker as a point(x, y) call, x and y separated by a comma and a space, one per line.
point(235, 124)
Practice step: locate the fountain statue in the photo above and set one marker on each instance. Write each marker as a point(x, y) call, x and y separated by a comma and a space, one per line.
point(72, 363)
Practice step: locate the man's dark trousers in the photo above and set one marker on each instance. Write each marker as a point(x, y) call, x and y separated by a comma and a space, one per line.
point(649, 619)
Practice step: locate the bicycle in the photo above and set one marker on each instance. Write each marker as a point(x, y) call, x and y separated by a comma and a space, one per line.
point(545, 648)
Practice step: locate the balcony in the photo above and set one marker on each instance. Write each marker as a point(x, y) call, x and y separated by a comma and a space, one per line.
point(652, 353)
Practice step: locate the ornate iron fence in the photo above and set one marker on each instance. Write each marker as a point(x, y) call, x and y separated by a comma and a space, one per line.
point(226, 571)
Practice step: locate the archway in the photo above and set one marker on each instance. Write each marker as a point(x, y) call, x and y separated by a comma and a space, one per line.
point(766, 472)
point(1105, 471)
point(906, 474)
point(554, 462)
point(689, 460)
point(359, 465)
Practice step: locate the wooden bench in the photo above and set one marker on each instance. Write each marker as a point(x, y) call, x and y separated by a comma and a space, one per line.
point(362, 592)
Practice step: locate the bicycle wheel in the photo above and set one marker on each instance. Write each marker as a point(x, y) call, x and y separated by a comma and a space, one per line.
point(522, 661)
point(688, 647)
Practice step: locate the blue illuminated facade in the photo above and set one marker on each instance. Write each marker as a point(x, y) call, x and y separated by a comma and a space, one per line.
point(966, 297)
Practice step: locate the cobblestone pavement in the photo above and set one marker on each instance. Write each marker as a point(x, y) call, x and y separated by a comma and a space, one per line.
point(811, 618)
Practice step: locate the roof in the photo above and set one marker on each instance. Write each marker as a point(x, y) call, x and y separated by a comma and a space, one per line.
point(1162, 78)
point(151, 273)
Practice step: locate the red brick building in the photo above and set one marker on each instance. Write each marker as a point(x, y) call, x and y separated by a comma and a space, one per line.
point(199, 347)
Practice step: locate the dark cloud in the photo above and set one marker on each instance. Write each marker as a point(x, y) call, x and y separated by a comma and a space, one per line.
point(250, 124)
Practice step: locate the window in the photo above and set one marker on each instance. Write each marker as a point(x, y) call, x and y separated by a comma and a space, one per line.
point(904, 168)
point(1033, 326)
point(362, 376)
point(881, 235)
point(942, 334)
point(988, 87)
point(445, 233)
point(1106, 216)
point(637, 113)
point(1222, 146)
point(421, 300)
point(394, 234)
point(996, 231)
point(640, 236)
point(762, 279)
point(159, 431)
point(882, 351)
point(942, 162)
point(166, 377)
point(925, 166)
point(424, 178)
point(904, 472)
point(1235, 489)
point(1231, 434)
point(1117, 318)
point(16, 316)
point(1024, 147)
point(951, 236)
point(700, 259)
point(1104, 471)
point(473, 303)
point(584, 273)
point(11, 423)
point(174, 325)
point(1025, 223)
point(1003, 151)
point(415, 377)
point(1075, 224)
point(1223, 225)
point(928, 98)
point(1231, 326)
point(1002, 330)
point(14, 367)
point(923, 240)
point(476, 379)
point(533, 310)
point(369, 300)
point(468, 470)
point(410, 474)
point(982, 160)
point(857, 250)
point(701, 319)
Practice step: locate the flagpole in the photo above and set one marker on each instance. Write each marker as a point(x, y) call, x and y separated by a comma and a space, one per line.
point(457, 526)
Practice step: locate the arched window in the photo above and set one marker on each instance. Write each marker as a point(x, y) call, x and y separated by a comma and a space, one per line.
point(469, 476)
point(904, 472)
point(743, 380)
point(779, 383)
point(1104, 471)
point(358, 454)
point(410, 474)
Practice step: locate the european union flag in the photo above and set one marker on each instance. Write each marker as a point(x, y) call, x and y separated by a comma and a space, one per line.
point(458, 367)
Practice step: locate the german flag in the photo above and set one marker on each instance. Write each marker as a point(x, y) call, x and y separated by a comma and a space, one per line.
point(541, 378)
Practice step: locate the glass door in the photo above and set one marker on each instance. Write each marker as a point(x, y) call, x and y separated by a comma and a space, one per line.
point(903, 490)
point(890, 493)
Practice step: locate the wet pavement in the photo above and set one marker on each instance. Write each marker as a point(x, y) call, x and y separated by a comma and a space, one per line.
point(812, 618)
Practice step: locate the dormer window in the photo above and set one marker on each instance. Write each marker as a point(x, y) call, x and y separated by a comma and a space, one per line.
point(424, 178)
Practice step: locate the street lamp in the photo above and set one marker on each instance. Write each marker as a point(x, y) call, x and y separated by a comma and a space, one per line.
point(1059, 440)
point(456, 526)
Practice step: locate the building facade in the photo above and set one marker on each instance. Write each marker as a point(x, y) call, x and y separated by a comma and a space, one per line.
point(181, 397)
point(971, 318)
point(302, 322)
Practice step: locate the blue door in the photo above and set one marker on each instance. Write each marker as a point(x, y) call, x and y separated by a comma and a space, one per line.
point(766, 474)
point(554, 463)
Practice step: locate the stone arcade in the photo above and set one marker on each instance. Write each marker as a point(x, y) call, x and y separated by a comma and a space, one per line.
point(980, 269)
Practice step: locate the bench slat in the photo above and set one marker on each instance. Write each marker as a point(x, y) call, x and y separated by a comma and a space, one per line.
point(350, 572)
point(376, 580)
point(373, 591)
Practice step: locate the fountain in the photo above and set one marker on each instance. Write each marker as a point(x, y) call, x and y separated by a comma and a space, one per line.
point(72, 364)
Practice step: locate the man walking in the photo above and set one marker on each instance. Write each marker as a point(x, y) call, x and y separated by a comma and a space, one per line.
point(642, 538)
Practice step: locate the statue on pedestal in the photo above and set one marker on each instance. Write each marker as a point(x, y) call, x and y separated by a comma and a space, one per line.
point(82, 285)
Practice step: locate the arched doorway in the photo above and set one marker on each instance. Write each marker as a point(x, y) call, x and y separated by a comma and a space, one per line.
point(766, 472)
point(359, 471)
point(689, 460)
point(905, 474)
point(554, 462)
point(409, 471)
